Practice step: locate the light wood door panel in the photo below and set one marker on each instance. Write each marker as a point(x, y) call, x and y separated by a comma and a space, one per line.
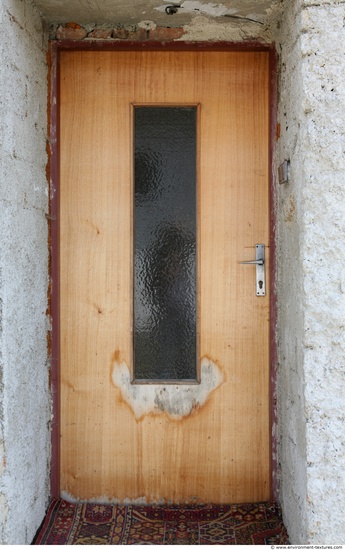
point(220, 451)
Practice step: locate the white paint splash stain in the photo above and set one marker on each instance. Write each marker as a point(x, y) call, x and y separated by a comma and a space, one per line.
point(139, 501)
point(176, 400)
point(103, 499)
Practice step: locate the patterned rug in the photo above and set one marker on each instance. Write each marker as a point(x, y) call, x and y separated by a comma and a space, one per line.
point(68, 523)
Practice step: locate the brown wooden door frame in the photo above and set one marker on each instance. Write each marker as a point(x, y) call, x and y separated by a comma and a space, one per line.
point(53, 174)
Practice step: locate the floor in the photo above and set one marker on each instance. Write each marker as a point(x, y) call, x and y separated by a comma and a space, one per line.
point(91, 523)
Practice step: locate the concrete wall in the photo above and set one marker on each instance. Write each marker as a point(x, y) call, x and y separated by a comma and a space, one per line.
point(311, 282)
point(200, 28)
point(25, 400)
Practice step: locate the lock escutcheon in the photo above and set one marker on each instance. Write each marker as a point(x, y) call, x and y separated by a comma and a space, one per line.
point(259, 263)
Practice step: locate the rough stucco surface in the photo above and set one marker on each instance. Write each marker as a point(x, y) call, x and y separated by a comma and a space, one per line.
point(291, 407)
point(122, 11)
point(202, 26)
point(25, 401)
point(311, 282)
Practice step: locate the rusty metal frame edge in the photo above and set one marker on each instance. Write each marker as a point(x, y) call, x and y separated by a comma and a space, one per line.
point(273, 351)
point(54, 178)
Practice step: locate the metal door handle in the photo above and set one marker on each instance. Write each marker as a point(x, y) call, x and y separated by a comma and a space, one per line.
point(260, 269)
point(256, 262)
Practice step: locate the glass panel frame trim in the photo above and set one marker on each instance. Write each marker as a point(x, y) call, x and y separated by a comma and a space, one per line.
point(195, 378)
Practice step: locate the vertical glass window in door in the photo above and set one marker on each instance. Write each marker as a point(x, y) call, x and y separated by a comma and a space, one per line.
point(165, 247)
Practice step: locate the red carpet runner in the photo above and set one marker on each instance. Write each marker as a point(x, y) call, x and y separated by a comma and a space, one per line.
point(68, 523)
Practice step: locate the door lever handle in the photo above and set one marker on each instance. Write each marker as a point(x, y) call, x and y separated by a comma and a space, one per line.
point(260, 269)
point(256, 262)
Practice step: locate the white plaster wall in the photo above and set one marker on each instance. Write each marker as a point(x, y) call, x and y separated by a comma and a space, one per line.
point(25, 400)
point(311, 281)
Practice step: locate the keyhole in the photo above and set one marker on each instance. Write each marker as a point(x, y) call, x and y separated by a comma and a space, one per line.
point(261, 284)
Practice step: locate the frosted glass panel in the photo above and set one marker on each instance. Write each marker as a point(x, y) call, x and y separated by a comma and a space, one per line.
point(165, 243)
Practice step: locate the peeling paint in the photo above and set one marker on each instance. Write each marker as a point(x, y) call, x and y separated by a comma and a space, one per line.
point(203, 28)
point(3, 516)
point(140, 501)
point(194, 6)
point(290, 210)
point(2, 458)
point(147, 25)
point(211, 9)
point(176, 400)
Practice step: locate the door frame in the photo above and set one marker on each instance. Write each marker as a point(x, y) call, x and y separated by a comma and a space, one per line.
point(53, 177)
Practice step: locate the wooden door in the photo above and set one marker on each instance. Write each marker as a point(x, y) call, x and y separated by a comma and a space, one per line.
point(206, 442)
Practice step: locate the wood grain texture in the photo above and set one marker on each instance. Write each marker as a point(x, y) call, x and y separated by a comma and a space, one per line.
point(220, 452)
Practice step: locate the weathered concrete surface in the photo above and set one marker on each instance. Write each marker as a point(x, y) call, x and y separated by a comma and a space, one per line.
point(204, 28)
point(119, 11)
point(25, 400)
point(200, 26)
point(291, 406)
point(311, 236)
